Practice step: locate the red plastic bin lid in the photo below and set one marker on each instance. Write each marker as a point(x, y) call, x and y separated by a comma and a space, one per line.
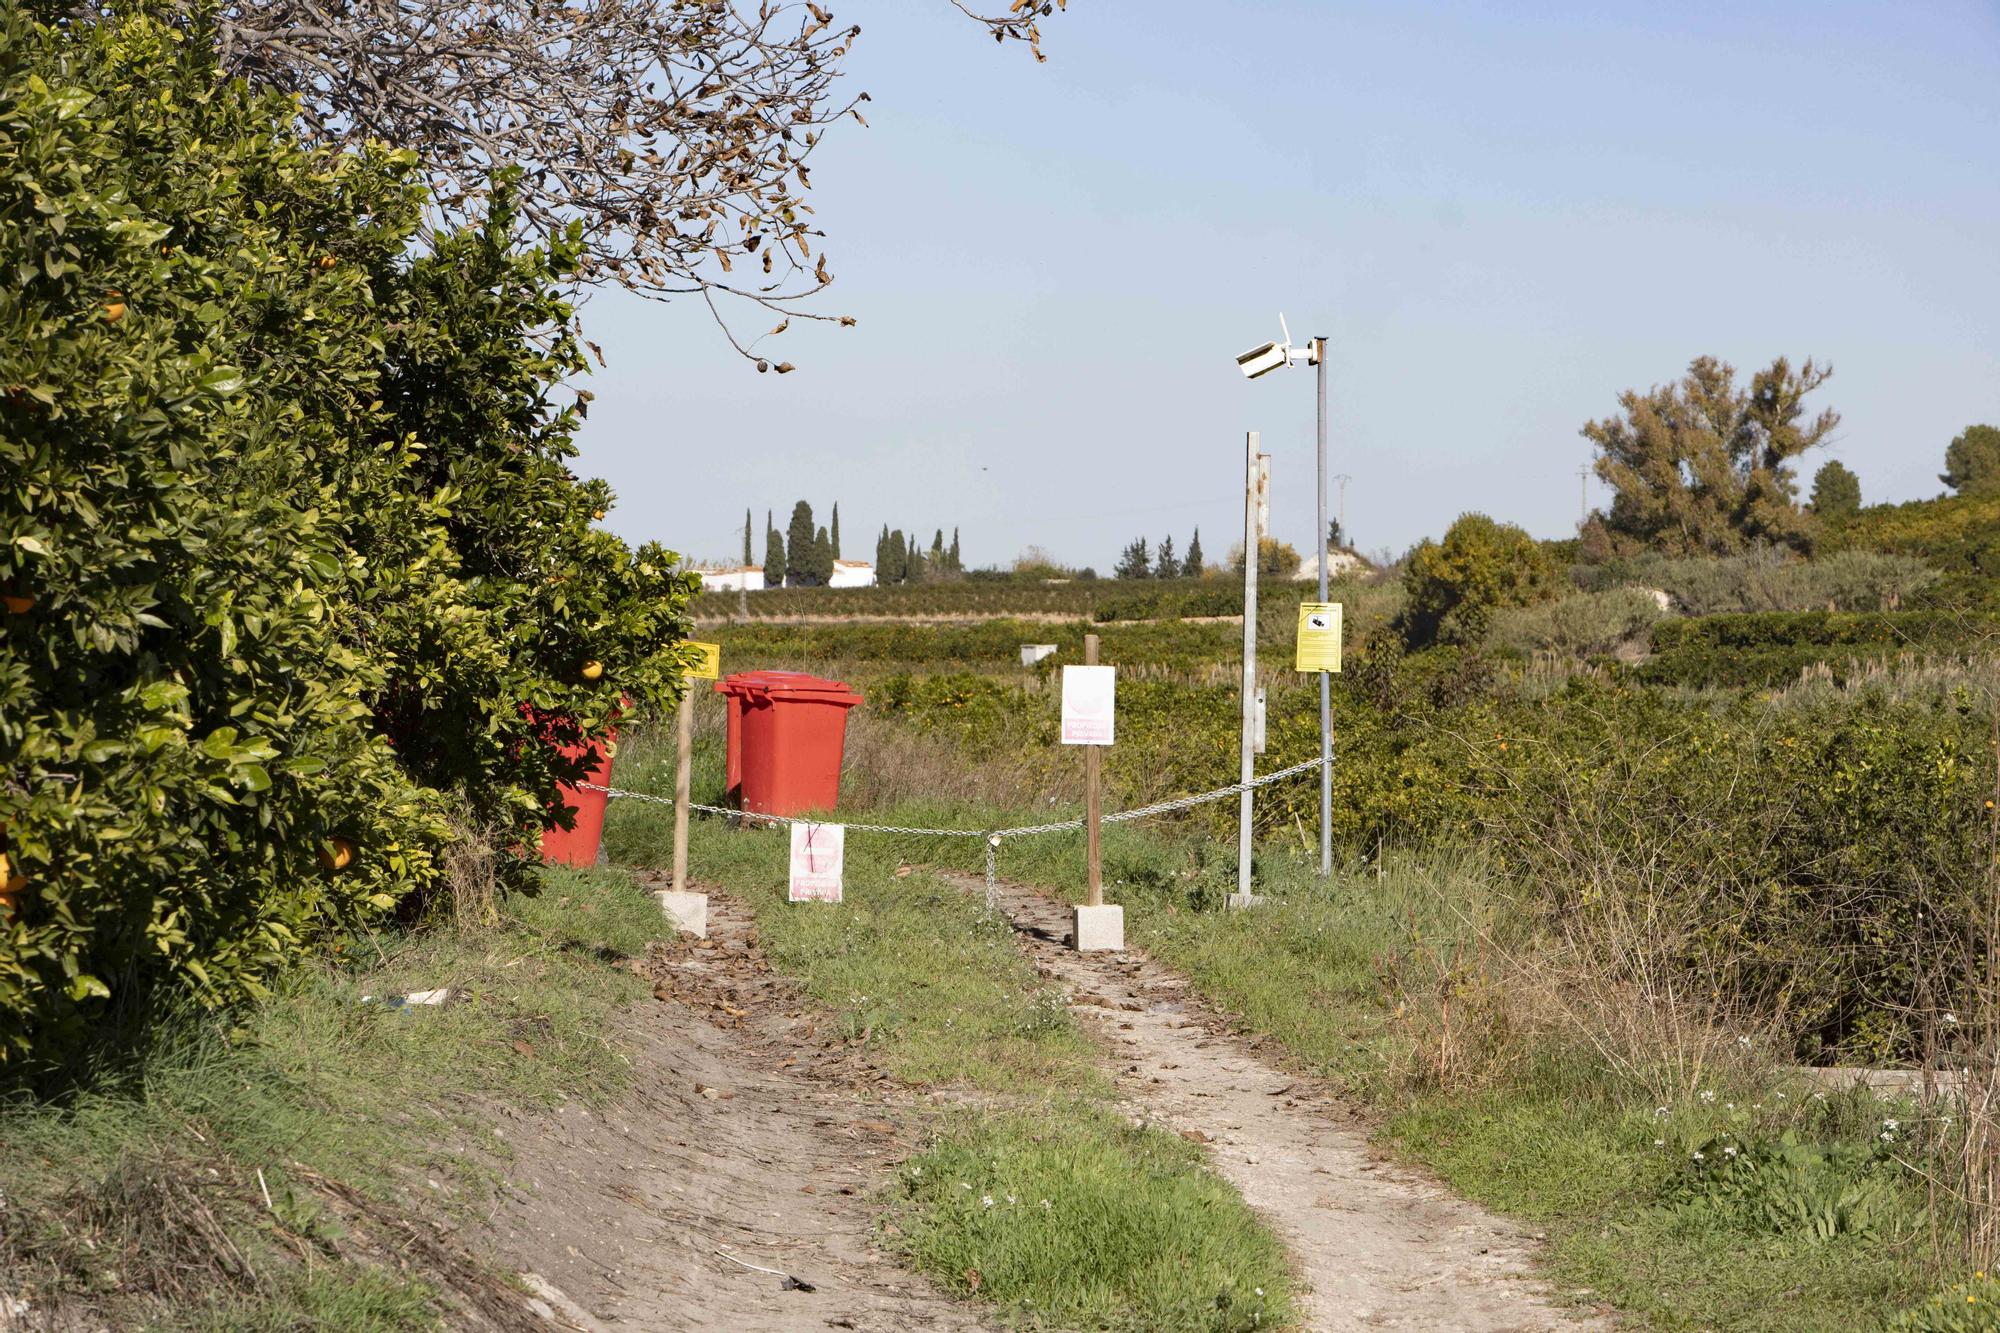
point(799, 686)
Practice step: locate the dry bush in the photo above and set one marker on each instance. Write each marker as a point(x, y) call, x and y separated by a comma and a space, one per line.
point(887, 765)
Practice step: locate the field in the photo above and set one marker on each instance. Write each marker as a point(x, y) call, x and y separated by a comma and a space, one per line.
point(1610, 885)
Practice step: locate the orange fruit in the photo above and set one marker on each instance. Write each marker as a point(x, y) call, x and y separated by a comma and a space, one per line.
point(336, 854)
point(114, 311)
point(17, 604)
point(593, 670)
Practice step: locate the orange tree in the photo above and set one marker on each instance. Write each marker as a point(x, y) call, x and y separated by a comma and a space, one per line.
point(288, 536)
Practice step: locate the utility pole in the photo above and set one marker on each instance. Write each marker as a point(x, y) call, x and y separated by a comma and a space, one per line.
point(1256, 498)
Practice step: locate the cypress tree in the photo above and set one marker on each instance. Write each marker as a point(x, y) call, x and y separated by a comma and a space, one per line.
point(746, 538)
point(822, 550)
point(799, 561)
point(836, 530)
point(774, 556)
point(951, 556)
point(898, 561)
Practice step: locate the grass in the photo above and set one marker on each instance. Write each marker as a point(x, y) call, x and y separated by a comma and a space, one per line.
point(1364, 980)
point(139, 1199)
point(1138, 1234)
point(1080, 1220)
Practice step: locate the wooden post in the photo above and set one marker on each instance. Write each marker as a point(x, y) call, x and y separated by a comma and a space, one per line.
point(1093, 799)
point(683, 764)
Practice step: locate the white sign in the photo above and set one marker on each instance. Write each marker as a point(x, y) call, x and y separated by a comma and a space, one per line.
point(819, 853)
point(1089, 695)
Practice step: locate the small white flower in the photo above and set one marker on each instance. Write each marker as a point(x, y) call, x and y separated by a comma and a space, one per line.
point(1892, 1124)
point(1011, 1199)
point(1698, 1156)
point(1258, 1290)
point(1729, 1151)
point(1045, 1203)
point(1744, 1042)
point(1659, 1143)
point(1781, 1096)
point(986, 1201)
point(1951, 1020)
point(1729, 1106)
point(1661, 1112)
point(1887, 1137)
point(1706, 1095)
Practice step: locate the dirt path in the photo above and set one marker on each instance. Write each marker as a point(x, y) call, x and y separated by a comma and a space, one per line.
point(1380, 1247)
point(748, 1130)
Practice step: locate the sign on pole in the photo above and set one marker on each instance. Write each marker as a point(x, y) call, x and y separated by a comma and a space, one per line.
point(709, 665)
point(819, 853)
point(1089, 697)
point(1319, 636)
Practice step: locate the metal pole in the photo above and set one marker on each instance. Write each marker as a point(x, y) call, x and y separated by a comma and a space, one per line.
point(1325, 680)
point(1252, 535)
point(1093, 800)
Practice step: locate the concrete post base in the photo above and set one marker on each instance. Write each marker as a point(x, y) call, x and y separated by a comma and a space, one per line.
point(688, 911)
point(1098, 928)
point(1240, 900)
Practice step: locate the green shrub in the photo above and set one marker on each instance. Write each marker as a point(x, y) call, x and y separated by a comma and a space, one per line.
point(1810, 864)
point(1453, 587)
point(290, 531)
point(1956, 535)
point(1740, 651)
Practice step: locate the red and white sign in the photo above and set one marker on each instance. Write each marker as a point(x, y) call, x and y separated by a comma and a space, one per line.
point(819, 854)
point(1089, 701)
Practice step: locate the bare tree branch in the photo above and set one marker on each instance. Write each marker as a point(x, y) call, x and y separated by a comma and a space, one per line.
point(677, 135)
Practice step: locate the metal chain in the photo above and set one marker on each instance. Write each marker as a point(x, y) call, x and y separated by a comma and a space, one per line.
point(993, 836)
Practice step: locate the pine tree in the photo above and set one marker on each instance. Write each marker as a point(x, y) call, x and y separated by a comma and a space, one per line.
point(1972, 461)
point(1165, 564)
point(1191, 567)
point(836, 529)
point(1136, 562)
point(799, 553)
point(1836, 492)
point(952, 555)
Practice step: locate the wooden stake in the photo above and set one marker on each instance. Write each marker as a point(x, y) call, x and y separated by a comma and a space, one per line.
point(1093, 799)
point(683, 764)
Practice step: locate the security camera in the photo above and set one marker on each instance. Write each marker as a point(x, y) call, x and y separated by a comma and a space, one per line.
point(1264, 359)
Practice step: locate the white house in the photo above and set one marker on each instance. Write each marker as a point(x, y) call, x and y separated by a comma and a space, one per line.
point(749, 577)
point(1339, 562)
point(849, 574)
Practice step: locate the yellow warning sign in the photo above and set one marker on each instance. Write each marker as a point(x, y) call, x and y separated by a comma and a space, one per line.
point(708, 666)
point(1319, 636)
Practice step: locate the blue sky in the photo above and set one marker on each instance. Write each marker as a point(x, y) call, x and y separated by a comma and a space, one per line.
point(1500, 215)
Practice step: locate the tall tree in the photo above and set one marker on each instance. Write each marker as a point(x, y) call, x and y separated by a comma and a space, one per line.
point(1836, 492)
point(1704, 467)
point(914, 567)
point(774, 554)
point(746, 539)
point(882, 556)
point(952, 556)
point(801, 565)
point(1972, 461)
point(1191, 567)
point(822, 549)
point(1166, 565)
point(836, 530)
point(1135, 562)
point(937, 550)
point(899, 557)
